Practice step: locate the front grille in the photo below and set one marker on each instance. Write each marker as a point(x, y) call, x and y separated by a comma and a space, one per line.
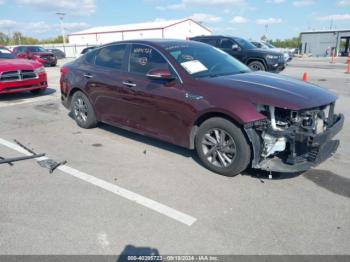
point(19, 75)
point(28, 74)
point(280, 59)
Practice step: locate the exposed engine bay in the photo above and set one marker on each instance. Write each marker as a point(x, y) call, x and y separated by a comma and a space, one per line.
point(290, 141)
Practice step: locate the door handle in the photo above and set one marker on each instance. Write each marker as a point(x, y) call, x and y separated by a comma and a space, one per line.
point(129, 84)
point(89, 76)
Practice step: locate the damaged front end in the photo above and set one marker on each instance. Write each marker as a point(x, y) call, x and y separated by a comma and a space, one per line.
point(293, 141)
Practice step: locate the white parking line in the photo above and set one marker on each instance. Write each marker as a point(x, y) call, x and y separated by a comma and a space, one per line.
point(144, 201)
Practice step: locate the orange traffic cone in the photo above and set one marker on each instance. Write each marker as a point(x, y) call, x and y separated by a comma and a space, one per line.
point(305, 77)
point(348, 71)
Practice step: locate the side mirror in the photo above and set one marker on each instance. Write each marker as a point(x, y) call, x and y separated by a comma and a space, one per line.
point(235, 47)
point(160, 74)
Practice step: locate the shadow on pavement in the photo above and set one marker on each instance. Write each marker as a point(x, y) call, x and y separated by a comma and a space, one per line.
point(130, 250)
point(328, 180)
point(24, 95)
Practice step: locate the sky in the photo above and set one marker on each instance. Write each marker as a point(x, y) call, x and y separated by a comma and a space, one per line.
point(278, 19)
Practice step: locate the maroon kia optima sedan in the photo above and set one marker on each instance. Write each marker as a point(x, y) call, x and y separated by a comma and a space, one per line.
point(196, 96)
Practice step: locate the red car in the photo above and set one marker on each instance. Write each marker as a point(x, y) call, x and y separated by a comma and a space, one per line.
point(196, 96)
point(18, 75)
point(36, 53)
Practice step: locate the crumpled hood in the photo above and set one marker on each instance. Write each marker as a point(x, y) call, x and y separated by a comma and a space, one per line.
point(43, 54)
point(18, 64)
point(275, 90)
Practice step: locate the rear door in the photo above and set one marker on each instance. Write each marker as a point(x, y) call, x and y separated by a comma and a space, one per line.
point(103, 74)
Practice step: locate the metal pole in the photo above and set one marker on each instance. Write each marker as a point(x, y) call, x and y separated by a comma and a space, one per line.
point(16, 159)
point(61, 16)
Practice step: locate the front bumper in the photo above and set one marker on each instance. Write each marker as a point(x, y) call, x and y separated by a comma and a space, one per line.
point(320, 149)
point(277, 164)
point(276, 67)
point(24, 85)
point(49, 61)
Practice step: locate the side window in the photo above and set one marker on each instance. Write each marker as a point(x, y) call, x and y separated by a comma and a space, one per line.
point(210, 41)
point(144, 58)
point(111, 56)
point(20, 49)
point(226, 43)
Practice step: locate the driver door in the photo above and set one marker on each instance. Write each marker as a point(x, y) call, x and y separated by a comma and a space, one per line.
point(231, 47)
point(155, 107)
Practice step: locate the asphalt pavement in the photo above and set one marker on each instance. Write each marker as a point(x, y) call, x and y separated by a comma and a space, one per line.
point(119, 189)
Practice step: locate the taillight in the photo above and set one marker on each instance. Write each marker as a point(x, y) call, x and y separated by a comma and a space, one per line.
point(64, 71)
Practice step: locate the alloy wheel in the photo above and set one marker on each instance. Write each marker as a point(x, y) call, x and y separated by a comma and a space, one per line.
point(256, 67)
point(219, 148)
point(80, 110)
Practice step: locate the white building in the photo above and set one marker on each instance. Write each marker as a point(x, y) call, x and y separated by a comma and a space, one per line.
point(176, 29)
point(318, 42)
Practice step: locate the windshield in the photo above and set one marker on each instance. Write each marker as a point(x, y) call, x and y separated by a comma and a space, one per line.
point(263, 46)
point(6, 54)
point(244, 43)
point(200, 60)
point(269, 45)
point(36, 49)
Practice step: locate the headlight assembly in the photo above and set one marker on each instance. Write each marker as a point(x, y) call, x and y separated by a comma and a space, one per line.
point(272, 57)
point(40, 70)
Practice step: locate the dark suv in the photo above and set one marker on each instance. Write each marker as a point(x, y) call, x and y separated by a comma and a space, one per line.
point(257, 59)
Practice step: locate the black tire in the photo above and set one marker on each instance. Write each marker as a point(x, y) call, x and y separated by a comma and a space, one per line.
point(83, 111)
point(257, 66)
point(240, 159)
point(38, 91)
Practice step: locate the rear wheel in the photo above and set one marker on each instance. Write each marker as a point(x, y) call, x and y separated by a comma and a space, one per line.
point(83, 111)
point(222, 147)
point(257, 66)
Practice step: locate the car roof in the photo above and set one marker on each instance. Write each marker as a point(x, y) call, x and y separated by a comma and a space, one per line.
point(214, 36)
point(153, 42)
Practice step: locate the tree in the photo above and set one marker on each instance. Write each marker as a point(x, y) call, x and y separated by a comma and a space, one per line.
point(19, 39)
point(287, 43)
point(4, 39)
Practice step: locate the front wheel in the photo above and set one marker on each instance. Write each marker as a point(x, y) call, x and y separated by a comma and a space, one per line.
point(83, 111)
point(257, 66)
point(222, 147)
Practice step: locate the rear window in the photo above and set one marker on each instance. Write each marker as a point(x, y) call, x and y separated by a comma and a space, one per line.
point(90, 57)
point(36, 49)
point(87, 50)
point(6, 54)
